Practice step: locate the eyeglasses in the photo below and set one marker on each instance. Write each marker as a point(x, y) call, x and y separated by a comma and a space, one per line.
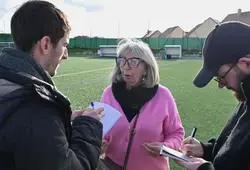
point(132, 62)
point(220, 79)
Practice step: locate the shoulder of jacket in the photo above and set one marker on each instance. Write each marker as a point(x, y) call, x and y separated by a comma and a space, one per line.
point(8, 87)
point(164, 90)
point(107, 90)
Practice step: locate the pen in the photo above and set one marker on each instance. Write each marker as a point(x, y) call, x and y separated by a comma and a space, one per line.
point(193, 132)
point(92, 104)
point(192, 136)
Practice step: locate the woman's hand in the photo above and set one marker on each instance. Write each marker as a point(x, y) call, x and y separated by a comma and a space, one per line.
point(104, 146)
point(153, 148)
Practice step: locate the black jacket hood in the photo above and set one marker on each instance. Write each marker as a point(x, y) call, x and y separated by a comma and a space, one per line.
point(17, 88)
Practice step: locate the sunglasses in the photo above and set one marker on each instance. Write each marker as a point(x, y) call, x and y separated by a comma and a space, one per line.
point(132, 62)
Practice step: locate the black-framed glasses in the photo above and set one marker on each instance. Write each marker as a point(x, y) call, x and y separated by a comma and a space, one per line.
point(220, 79)
point(132, 62)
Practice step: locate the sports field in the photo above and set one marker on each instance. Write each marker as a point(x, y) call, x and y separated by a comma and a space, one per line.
point(83, 80)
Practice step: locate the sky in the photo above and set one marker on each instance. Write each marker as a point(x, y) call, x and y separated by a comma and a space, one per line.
point(131, 18)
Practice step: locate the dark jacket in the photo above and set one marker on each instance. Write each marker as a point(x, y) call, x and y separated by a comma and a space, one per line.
point(35, 127)
point(231, 149)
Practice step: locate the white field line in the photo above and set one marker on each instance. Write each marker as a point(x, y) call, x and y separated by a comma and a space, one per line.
point(82, 72)
point(89, 82)
point(165, 65)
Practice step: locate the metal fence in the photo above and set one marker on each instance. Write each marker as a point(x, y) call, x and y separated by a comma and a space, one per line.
point(154, 43)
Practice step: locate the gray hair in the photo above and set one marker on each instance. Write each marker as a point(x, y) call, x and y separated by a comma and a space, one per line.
point(140, 50)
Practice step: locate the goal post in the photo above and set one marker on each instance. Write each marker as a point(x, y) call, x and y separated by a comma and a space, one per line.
point(6, 44)
point(173, 51)
point(107, 50)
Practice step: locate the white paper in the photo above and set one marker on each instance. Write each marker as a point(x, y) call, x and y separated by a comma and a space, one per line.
point(168, 152)
point(111, 116)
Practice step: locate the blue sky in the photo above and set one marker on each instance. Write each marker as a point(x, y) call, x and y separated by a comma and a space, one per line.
point(131, 18)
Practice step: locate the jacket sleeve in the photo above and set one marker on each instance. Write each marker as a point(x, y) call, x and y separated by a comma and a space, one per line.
point(206, 166)
point(208, 149)
point(173, 129)
point(41, 142)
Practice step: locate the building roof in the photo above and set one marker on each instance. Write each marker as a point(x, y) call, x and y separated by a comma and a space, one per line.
point(155, 34)
point(215, 20)
point(147, 34)
point(241, 16)
point(168, 31)
point(197, 26)
point(192, 30)
point(152, 34)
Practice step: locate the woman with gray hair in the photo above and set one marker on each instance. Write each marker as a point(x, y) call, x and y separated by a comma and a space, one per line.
point(150, 116)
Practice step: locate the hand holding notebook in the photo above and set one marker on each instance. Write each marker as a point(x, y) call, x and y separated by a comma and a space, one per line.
point(165, 151)
point(171, 153)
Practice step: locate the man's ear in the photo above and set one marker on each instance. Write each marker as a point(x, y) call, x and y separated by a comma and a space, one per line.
point(45, 45)
point(244, 64)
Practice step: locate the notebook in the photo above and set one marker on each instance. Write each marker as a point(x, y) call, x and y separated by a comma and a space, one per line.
point(110, 117)
point(168, 152)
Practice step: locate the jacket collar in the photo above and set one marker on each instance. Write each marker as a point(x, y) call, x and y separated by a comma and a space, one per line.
point(44, 89)
point(29, 85)
point(245, 86)
point(18, 61)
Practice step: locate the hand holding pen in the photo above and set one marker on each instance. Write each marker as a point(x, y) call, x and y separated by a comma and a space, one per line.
point(191, 146)
point(94, 113)
point(91, 112)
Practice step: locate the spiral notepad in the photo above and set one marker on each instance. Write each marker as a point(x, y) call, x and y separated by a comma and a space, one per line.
point(110, 118)
point(168, 152)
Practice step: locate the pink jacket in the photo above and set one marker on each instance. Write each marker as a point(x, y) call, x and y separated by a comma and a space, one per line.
point(159, 121)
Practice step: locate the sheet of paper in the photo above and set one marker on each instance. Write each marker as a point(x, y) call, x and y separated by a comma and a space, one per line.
point(111, 116)
point(166, 151)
